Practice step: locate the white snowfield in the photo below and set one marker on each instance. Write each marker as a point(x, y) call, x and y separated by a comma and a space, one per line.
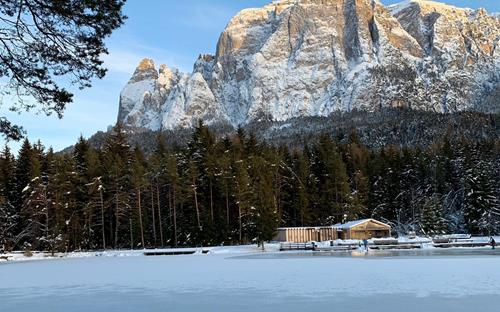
point(246, 279)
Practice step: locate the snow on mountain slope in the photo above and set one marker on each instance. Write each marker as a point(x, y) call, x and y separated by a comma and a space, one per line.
point(312, 57)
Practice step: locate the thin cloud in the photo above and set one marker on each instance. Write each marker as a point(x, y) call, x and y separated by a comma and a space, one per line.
point(206, 16)
point(121, 61)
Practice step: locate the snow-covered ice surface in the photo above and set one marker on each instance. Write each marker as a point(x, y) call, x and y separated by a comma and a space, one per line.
point(428, 280)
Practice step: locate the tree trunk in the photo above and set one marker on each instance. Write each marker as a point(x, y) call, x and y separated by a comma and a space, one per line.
point(153, 214)
point(46, 202)
point(211, 202)
point(131, 234)
point(175, 217)
point(102, 219)
point(117, 219)
point(139, 205)
point(196, 204)
point(227, 204)
point(159, 211)
point(241, 226)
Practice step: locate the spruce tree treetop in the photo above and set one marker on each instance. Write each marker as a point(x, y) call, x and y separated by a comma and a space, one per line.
point(44, 43)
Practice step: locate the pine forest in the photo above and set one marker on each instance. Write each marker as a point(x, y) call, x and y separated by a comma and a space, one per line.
point(238, 189)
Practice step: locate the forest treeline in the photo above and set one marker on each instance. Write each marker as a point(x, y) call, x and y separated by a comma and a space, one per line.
point(239, 189)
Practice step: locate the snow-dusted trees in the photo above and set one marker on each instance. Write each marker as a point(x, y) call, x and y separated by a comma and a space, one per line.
point(8, 216)
point(481, 197)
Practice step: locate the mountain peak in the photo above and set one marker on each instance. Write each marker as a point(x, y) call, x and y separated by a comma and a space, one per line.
point(146, 64)
point(145, 70)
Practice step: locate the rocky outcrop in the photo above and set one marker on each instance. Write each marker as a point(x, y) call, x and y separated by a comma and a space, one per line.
point(314, 57)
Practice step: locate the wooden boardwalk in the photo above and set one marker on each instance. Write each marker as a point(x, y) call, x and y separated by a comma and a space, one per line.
point(297, 246)
point(338, 248)
point(461, 244)
point(174, 252)
point(397, 246)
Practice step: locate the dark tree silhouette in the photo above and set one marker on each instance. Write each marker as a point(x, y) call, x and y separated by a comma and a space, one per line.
point(47, 43)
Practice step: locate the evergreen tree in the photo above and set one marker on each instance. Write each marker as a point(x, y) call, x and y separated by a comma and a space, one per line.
point(117, 176)
point(8, 215)
point(334, 202)
point(263, 211)
point(24, 170)
point(432, 219)
point(298, 190)
point(481, 202)
point(242, 198)
point(174, 192)
point(140, 185)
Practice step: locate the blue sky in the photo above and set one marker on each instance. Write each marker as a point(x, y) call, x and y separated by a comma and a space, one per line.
point(170, 32)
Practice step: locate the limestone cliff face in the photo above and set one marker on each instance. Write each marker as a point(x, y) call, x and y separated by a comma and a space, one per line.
point(313, 57)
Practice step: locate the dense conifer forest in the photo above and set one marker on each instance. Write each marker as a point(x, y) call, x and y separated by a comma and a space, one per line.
point(238, 189)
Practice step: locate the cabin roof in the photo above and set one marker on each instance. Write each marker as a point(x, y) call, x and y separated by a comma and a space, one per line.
point(352, 224)
point(339, 226)
point(306, 227)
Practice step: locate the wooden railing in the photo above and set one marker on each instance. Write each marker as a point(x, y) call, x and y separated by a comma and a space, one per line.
point(297, 246)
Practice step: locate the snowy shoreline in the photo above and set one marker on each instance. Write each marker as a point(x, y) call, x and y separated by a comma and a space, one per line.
point(273, 247)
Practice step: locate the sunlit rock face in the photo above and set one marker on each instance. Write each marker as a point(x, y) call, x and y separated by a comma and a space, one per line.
point(313, 57)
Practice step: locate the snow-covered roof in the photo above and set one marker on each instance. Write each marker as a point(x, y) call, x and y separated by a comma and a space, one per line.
point(338, 226)
point(306, 227)
point(352, 224)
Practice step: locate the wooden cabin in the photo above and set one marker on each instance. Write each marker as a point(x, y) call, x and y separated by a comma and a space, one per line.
point(363, 229)
point(306, 234)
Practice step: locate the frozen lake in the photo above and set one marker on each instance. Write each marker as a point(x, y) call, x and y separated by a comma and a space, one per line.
point(451, 280)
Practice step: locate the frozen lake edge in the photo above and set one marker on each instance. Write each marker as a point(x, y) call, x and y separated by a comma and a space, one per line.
point(252, 282)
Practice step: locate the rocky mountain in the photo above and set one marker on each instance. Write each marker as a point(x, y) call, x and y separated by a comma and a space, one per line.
point(314, 57)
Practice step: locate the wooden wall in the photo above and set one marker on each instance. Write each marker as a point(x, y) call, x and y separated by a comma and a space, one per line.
point(368, 230)
point(361, 234)
point(303, 234)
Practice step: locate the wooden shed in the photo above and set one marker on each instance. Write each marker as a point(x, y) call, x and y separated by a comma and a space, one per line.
point(306, 234)
point(363, 229)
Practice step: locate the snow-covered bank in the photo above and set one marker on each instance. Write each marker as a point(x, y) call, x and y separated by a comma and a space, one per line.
point(425, 243)
point(226, 250)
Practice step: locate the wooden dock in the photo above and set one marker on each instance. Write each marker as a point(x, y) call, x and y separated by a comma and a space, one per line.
point(461, 244)
point(314, 247)
point(174, 252)
point(397, 246)
point(297, 246)
point(337, 248)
